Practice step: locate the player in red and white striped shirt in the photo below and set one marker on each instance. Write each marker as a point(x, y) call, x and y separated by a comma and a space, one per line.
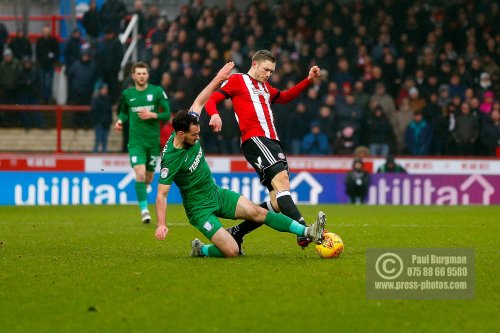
point(252, 97)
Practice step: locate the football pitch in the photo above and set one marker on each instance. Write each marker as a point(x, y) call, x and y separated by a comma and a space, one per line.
point(98, 269)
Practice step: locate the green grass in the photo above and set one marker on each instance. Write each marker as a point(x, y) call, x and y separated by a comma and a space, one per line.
point(97, 269)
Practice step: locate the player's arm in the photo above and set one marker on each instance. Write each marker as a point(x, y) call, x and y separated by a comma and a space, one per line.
point(122, 114)
point(283, 97)
point(205, 94)
point(161, 210)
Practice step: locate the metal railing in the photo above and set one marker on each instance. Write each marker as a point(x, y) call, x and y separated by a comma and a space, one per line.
point(58, 109)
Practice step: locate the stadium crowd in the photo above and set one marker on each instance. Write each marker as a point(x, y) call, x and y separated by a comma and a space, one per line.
point(400, 77)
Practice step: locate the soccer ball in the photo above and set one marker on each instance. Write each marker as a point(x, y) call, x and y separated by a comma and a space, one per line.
point(331, 247)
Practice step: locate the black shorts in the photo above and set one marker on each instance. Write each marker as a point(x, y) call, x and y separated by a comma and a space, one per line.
point(267, 158)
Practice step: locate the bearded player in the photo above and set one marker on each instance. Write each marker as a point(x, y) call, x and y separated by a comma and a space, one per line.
point(140, 105)
point(252, 97)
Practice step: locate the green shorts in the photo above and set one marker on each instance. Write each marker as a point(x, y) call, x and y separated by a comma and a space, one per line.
point(205, 218)
point(144, 155)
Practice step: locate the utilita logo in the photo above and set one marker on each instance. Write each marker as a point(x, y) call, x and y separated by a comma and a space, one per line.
point(430, 190)
point(251, 187)
point(71, 191)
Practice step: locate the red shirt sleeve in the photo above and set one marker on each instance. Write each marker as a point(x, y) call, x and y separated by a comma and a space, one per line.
point(283, 97)
point(227, 90)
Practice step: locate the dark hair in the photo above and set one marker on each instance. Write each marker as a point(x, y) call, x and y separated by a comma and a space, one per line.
point(263, 55)
point(183, 121)
point(140, 64)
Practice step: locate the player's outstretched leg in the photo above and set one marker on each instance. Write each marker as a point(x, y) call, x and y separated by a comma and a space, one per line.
point(283, 223)
point(315, 232)
point(199, 249)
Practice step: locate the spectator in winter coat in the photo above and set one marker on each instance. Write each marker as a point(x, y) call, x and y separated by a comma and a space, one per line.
point(101, 116)
point(47, 55)
point(379, 133)
point(82, 77)
point(315, 142)
point(418, 135)
point(357, 182)
point(390, 166)
point(21, 46)
point(466, 130)
point(92, 23)
point(28, 84)
point(490, 133)
point(109, 57)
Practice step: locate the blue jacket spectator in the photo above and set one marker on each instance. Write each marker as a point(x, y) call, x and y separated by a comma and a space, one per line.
point(418, 136)
point(315, 142)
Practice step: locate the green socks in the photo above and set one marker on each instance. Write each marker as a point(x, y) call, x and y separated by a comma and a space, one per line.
point(283, 223)
point(142, 195)
point(211, 251)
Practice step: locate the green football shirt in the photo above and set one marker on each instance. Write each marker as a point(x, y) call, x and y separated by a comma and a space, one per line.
point(190, 172)
point(144, 132)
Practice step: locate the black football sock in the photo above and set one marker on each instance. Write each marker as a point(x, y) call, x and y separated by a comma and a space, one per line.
point(247, 226)
point(288, 207)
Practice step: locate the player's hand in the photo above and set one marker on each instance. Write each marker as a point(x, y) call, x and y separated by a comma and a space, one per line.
point(118, 126)
point(225, 71)
point(161, 232)
point(215, 123)
point(145, 114)
point(313, 72)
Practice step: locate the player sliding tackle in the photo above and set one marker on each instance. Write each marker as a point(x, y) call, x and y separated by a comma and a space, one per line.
point(183, 162)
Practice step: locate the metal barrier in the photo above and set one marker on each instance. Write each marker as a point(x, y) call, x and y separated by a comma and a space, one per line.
point(58, 109)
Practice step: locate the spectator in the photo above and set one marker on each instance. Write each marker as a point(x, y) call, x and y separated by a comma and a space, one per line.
point(47, 55)
point(344, 143)
point(82, 77)
point(417, 103)
point(466, 131)
point(390, 166)
point(109, 58)
point(385, 100)
point(327, 123)
point(348, 113)
point(315, 142)
point(357, 183)
point(92, 23)
point(112, 14)
point(418, 136)
point(402, 119)
point(73, 48)
point(230, 132)
point(21, 46)
point(379, 133)
point(298, 127)
point(490, 133)
point(4, 36)
point(29, 94)
point(101, 116)
point(10, 69)
point(487, 104)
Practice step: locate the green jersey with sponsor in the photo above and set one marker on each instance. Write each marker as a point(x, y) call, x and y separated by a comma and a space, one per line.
point(144, 132)
point(190, 172)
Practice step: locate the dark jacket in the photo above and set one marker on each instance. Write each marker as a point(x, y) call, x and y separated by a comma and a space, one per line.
point(21, 47)
point(47, 52)
point(101, 111)
point(92, 23)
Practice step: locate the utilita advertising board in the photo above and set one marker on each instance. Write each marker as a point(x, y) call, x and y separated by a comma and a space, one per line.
point(107, 179)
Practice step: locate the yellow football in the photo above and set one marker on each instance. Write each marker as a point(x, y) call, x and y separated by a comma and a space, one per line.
point(331, 247)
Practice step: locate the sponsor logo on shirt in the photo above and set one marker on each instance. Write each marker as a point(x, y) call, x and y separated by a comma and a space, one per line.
point(261, 92)
point(196, 161)
point(143, 107)
point(164, 172)
point(207, 226)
